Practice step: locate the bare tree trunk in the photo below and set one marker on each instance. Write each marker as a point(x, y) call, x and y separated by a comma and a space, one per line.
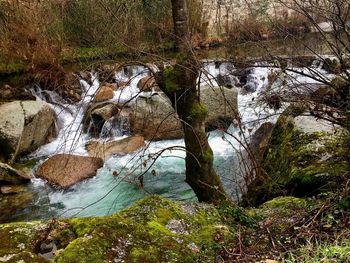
point(180, 84)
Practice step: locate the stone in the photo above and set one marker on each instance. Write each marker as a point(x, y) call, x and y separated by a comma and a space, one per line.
point(71, 89)
point(221, 105)
point(225, 80)
point(106, 73)
point(155, 119)
point(310, 124)
point(259, 142)
point(9, 175)
point(106, 112)
point(12, 204)
point(24, 127)
point(6, 92)
point(104, 150)
point(13, 189)
point(103, 94)
point(65, 170)
point(98, 114)
point(86, 76)
point(147, 84)
point(122, 84)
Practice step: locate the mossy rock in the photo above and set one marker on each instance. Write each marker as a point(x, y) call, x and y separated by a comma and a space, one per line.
point(284, 212)
point(152, 230)
point(298, 163)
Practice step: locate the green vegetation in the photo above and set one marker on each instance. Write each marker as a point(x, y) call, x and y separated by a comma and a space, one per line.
point(299, 164)
point(159, 230)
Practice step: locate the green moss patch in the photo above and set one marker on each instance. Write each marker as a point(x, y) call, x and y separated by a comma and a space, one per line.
point(152, 230)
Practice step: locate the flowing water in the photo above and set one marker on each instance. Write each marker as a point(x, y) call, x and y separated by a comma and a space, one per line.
point(105, 194)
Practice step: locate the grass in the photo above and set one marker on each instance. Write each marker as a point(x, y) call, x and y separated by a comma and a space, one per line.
point(339, 251)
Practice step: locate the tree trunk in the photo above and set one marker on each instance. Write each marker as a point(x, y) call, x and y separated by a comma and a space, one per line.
point(179, 83)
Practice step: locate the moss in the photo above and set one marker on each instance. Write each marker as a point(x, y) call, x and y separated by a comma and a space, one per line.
point(169, 79)
point(13, 235)
point(284, 212)
point(152, 230)
point(298, 164)
point(208, 155)
point(21, 257)
point(197, 111)
point(235, 215)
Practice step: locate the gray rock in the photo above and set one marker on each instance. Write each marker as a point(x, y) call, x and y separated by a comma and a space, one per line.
point(221, 104)
point(25, 126)
point(155, 119)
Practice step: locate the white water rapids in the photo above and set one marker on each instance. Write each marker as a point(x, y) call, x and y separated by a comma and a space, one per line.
point(105, 194)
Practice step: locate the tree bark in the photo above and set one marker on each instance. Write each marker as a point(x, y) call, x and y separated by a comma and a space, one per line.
point(179, 83)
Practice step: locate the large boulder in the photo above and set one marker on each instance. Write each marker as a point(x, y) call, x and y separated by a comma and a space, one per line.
point(65, 170)
point(24, 126)
point(221, 104)
point(104, 150)
point(303, 157)
point(10, 176)
point(155, 119)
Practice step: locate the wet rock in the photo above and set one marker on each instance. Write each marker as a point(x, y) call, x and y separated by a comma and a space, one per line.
point(155, 119)
point(242, 75)
point(9, 175)
point(11, 205)
point(25, 126)
point(71, 89)
point(65, 170)
point(96, 115)
point(7, 190)
point(104, 93)
point(250, 87)
point(147, 84)
point(105, 112)
point(225, 80)
point(104, 150)
point(6, 92)
point(221, 105)
point(9, 93)
point(260, 140)
point(122, 84)
point(87, 76)
point(106, 73)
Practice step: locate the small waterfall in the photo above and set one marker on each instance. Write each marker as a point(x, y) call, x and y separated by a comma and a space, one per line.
point(70, 116)
point(117, 126)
